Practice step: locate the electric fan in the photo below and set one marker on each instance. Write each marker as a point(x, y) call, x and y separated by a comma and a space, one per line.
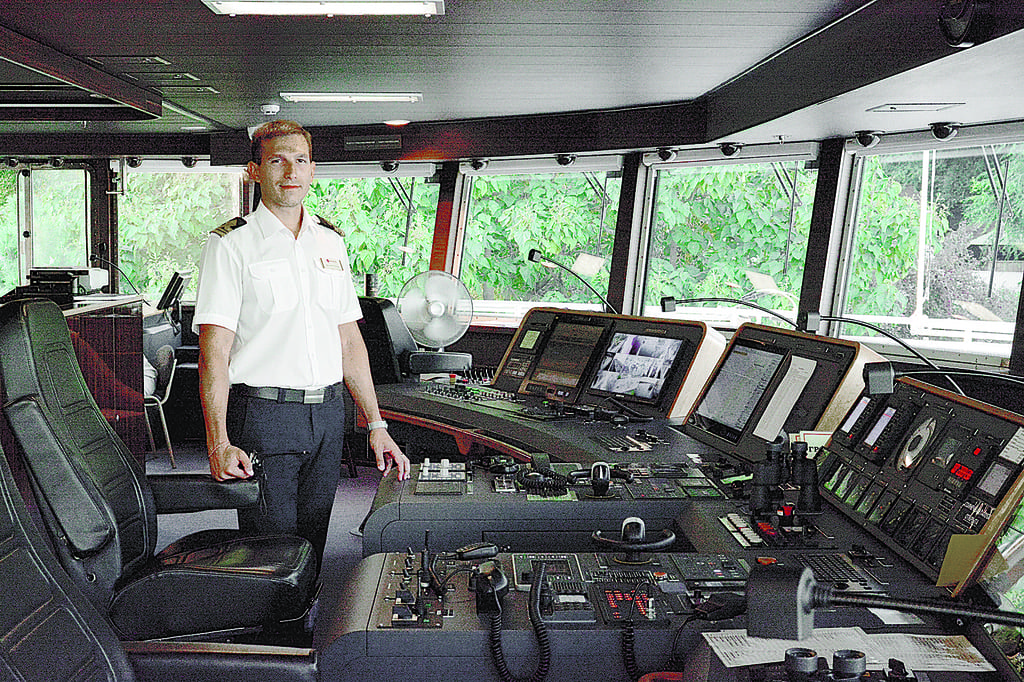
point(437, 309)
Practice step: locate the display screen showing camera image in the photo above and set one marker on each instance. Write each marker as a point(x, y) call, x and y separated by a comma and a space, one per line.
point(636, 366)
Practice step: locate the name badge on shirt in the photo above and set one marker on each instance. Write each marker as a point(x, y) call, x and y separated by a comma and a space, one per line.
point(331, 264)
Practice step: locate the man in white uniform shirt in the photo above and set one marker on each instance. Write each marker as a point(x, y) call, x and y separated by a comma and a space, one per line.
point(278, 342)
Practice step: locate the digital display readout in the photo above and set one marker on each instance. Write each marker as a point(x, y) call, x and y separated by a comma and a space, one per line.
point(962, 472)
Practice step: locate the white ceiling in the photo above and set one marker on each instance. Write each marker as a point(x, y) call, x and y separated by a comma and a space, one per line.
point(488, 59)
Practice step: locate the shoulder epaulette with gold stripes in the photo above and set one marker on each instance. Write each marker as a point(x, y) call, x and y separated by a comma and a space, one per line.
point(329, 225)
point(222, 230)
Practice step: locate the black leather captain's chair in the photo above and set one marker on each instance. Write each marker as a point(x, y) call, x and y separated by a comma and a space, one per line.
point(100, 509)
point(50, 631)
point(388, 341)
point(394, 355)
point(54, 632)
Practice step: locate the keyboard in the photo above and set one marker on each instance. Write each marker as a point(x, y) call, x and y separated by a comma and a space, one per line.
point(838, 568)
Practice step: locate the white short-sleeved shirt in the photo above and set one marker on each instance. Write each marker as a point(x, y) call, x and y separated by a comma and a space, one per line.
point(282, 297)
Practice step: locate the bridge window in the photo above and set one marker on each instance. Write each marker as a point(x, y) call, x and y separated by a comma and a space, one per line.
point(563, 211)
point(54, 210)
point(9, 277)
point(164, 217)
point(387, 218)
point(937, 249)
point(730, 230)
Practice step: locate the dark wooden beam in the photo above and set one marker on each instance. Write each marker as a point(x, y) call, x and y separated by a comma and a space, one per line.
point(105, 144)
point(35, 56)
point(880, 40)
point(619, 267)
point(826, 194)
point(646, 127)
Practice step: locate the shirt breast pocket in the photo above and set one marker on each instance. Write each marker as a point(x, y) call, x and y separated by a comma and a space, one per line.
point(274, 285)
point(330, 286)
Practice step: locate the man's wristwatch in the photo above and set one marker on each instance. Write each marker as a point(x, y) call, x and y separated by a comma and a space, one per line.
point(370, 426)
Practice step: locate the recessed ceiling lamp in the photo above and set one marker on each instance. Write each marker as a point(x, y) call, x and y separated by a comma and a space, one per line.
point(397, 122)
point(352, 97)
point(305, 8)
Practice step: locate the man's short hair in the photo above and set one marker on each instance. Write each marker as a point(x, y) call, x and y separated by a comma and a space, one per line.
point(269, 131)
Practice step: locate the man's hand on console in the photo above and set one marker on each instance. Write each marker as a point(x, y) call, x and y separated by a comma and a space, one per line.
point(388, 454)
point(228, 462)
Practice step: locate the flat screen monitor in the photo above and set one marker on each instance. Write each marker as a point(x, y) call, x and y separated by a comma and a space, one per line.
point(564, 362)
point(643, 362)
point(772, 380)
point(654, 365)
point(173, 291)
point(738, 388)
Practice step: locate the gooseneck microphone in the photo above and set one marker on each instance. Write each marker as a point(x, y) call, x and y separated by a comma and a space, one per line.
point(809, 322)
point(669, 303)
point(535, 256)
point(93, 257)
point(781, 602)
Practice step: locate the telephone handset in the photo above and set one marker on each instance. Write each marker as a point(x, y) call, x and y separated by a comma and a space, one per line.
point(491, 586)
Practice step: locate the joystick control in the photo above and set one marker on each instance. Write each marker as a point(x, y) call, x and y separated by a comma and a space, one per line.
point(600, 478)
point(634, 543)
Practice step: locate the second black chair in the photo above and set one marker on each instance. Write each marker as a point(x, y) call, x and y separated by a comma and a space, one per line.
point(100, 509)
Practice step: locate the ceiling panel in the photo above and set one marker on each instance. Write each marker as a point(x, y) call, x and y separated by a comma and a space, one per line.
point(483, 58)
point(754, 69)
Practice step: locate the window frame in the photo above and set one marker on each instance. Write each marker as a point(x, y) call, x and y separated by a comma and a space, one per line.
point(564, 164)
point(652, 163)
point(26, 201)
point(424, 171)
point(906, 143)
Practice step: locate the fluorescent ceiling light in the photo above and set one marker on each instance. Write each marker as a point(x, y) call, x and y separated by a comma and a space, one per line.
point(409, 97)
point(303, 7)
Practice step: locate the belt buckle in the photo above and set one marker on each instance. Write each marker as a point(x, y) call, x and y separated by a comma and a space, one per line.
point(291, 395)
point(313, 396)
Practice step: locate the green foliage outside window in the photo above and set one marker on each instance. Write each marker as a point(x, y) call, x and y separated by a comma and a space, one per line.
point(60, 217)
point(714, 223)
point(562, 215)
point(164, 220)
point(373, 216)
point(8, 230)
point(965, 207)
point(885, 253)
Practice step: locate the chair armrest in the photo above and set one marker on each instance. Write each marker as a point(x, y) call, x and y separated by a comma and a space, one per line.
point(218, 662)
point(180, 493)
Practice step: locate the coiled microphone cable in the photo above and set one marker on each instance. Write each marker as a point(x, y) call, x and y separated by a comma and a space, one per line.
point(540, 630)
point(542, 479)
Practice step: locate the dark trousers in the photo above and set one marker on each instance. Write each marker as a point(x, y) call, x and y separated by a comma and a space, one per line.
point(300, 448)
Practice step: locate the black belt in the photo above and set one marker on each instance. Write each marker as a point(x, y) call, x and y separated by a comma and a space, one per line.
point(309, 396)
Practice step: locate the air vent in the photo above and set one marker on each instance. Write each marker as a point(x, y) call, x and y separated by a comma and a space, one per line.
point(914, 107)
point(190, 89)
point(123, 61)
point(366, 143)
